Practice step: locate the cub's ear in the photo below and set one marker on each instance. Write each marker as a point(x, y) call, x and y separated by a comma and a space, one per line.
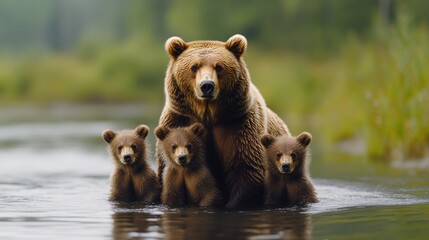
point(198, 129)
point(304, 138)
point(237, 44)
point(267, 140)
point(142, 131)
point(162, 132)
point(108, 135)
point(174, 46)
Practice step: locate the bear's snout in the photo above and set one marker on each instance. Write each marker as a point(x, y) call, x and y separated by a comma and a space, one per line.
point(207, 88)
point(128, 158)
point(286, 167)
point(182, 159)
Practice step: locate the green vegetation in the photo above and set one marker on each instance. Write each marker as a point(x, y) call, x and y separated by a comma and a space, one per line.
point(397, 99)
point(377, 91)
point(114, 73)
point(341, 74)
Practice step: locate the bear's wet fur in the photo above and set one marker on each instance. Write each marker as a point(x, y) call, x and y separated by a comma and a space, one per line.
point(186, 178)
point(208, 82)
point(287, 180)
point(132, 178)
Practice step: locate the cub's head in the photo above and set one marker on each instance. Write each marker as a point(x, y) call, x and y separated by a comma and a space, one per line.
point(127, 146)
point(182, 145)
point(287, 153)
point(205, 69)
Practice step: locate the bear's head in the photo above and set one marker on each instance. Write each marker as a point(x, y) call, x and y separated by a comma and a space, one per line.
point(204, 70)
point(286, 153)
point(127, 146)
point(182, 145)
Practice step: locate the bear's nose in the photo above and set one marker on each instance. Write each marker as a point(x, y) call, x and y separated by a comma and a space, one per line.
point(127, 158)
point(207, 88)
point(182, 159)
point(286, 167)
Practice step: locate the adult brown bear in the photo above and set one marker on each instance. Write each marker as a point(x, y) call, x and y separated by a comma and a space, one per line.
point(208, 82)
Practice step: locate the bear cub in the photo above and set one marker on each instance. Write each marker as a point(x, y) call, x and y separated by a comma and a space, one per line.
point(132, 178)
point(287, 180)
point(186, 177)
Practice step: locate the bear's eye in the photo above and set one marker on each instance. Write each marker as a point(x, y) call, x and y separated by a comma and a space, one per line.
point(218, 68)
point(189, 147)
point(174, 146)
point(134, 147)
point(120, 148)
point(278, 155)
point(293, 156)
point(194, 68)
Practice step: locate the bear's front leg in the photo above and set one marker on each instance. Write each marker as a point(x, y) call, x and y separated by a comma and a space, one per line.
point(273, 197)
point(245, 190)
point(212, 198)
point(120, 186)
point(202, 188)
point(304, 193)
point(241, 158)
point(275, 191)
point(174, 189)
point(147, 187)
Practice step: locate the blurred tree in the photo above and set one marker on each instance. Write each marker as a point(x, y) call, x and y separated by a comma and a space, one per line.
point(55, 28)
point(306, 26)
point(386, 11)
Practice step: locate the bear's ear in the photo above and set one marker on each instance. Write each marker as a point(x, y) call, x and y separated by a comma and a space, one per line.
point(162, 132)
point(237, 44)
point(197, 129)
point(108, 135)
point(304, 138)
point(267, 140)
point(175, 46)
point(142, 131)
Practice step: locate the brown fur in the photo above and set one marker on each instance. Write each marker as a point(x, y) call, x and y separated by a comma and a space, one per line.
point(235, 114)
point(291, 187)
point(135, 180)
point(191, 182)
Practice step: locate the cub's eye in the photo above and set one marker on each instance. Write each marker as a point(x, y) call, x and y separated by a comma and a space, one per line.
point(218, 68)
point(294, 156)
point(278, 155)
point(189, 147)
point(134, 147)
point(174, 146)
point(120, 148)
point(194, 68)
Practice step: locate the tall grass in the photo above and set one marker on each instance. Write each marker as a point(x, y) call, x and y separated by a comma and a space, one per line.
point(398, 101)
point(376, 91)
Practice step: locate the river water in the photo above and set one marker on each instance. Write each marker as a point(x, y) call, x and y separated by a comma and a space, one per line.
point(54, 184)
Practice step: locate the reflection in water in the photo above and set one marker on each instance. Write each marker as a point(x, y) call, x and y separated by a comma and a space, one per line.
point(189, 224)
point(277, 224)
point(132, 224)
point(197, 223)
point(133, 220)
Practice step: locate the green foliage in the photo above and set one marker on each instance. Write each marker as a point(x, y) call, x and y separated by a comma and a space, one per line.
point(377, 91)
point(398, 104)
